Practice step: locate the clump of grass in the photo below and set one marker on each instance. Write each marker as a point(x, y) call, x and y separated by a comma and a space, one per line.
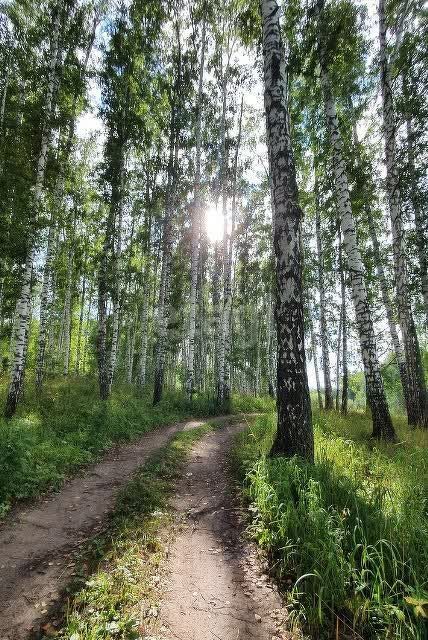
point(120, 598)
point(347, 536)
point(67, 426)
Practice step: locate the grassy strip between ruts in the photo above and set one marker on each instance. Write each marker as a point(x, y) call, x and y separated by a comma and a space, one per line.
point(66, 426)
point(119, 576)
point(347, 537)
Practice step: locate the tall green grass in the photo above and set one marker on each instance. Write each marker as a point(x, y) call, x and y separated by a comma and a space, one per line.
point(67, 426)
point(348, 536)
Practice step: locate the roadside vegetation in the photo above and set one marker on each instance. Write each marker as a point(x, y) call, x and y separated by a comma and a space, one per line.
point(119, 577)
point(67, 426)
point(347, 538)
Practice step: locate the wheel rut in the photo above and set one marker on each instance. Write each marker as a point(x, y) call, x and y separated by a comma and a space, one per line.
point(38, 542)
point(217, 588)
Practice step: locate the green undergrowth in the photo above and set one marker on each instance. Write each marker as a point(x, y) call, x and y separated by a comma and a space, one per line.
point(347, 537)
point(66, 426)
point(119, 576)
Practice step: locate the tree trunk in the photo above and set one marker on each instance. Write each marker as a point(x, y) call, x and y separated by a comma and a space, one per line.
point(421, 220)
point(417, 403)
point(339, 343)
point(170, 201)
point(315, 358)
point(222, 255)
point(68, 305)
point(382, 423)
point(47, 292)
point(227, 304)
point(118, 283)
point(196, 227)
point(163, 304)
point(328, 392)
point(387, 303)
point(80, 327)
point(23, 305)
point(345, 380)
point(294, 433)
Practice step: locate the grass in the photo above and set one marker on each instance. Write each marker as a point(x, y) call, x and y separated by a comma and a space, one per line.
point(120, 577)
point(347, 537)
point(67, 426)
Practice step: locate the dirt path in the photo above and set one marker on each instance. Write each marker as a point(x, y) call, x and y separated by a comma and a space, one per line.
point(37, 543)
point(217, 589)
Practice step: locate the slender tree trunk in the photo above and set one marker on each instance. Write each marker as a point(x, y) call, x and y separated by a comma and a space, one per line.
point(170, 201)
point(382, 423)
point(294, 433)
point(86, 330)
point(345, 380)
point(227, 304)
point(80, 328)
point(117, 294)
point(417, 403)
point(196, 226)
point(315, 358)
point(328, 392)
point(103, 295)
point(163, 304)
point(338, 350)
point(421, 219)
point(23, 305)
point(64, 156)
point(220, 346)
point(68, 306)
point(387, 303)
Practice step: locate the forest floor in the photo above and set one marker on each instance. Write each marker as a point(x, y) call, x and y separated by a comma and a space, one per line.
point(214, 587)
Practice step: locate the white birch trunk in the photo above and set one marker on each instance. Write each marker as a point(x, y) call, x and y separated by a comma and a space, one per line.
point(68, 308)
point(421, 219)
point(80, 328)
point(315, 359)
point(222, 255)
point(294, 433)
point(23, 305)
point(196, 227)
point(328, 392)
point(382, 424)
point(417, 403)
point(116, 301)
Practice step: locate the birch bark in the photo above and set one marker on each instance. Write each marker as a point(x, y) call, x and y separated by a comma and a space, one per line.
point(417, 402)
point(328, 392)
point(47, 289)
point(294, 433)
point(382, 423)
point(68, 304)
point(345, 378)
point(118, 284)
point(196, 226)
point(227, 304)
point(23, 305)
point(315, 359)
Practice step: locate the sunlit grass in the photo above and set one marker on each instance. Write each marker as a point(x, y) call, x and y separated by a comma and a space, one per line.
point(67, 425)
point(351, 532)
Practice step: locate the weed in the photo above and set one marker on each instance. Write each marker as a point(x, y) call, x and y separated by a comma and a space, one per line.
point(348, 536)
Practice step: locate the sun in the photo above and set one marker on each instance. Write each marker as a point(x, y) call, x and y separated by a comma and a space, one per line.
point(214, 223)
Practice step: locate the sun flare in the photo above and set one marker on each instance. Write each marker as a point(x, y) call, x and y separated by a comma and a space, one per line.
point(214, 223)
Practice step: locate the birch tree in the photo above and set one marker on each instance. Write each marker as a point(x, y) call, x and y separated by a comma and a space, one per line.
point(23, 305)
point(196, 221)
point(294, 430)
point(376, 397)
point(417, 403)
